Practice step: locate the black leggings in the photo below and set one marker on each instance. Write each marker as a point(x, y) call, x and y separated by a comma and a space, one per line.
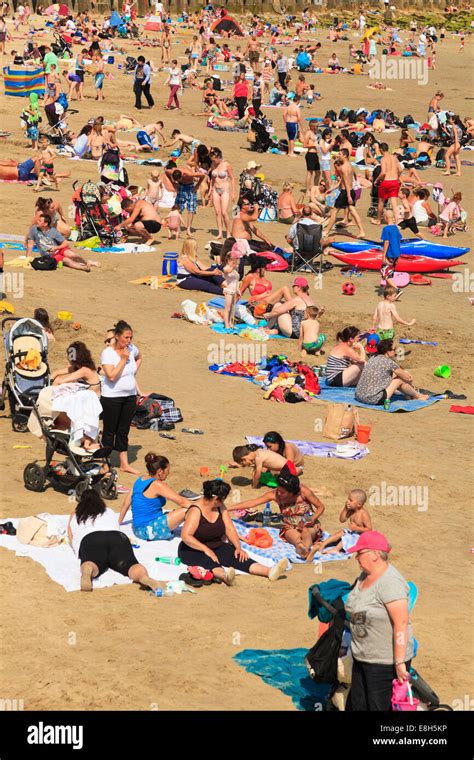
point(117, 417)
point(206, 284)
point(225, 555)
point(371, 688)
point(241, 104)
point(142, 89)
point(108, 549)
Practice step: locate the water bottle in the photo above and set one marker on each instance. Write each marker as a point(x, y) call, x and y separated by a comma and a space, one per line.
point(168, 560)
point(267, 513)
point(158, 592)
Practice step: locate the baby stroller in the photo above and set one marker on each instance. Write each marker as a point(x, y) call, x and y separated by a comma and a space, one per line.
point(26, 368)
point(330, 659)
point(60, 46)
point(77, 472)
point(91, 219)
point(260, 139)
point(57, 131)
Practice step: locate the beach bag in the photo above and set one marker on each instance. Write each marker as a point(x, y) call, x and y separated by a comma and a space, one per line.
point(34, 531)
point(169, 411)
point(321, 660)
point(148, 409)
point(340, 422)
point(44, 264)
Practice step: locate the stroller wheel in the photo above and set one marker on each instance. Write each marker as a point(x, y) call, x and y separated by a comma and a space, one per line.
point(34, 477)
point(20, 423)
point(108, 487)
point(80, 488)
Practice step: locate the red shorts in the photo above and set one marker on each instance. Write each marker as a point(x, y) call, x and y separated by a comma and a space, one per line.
point(58, 254)
point(389, 188)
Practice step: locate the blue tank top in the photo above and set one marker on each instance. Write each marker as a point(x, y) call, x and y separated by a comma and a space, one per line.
point(145, 509)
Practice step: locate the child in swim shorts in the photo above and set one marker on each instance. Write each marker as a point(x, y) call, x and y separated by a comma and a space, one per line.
point(311, 340)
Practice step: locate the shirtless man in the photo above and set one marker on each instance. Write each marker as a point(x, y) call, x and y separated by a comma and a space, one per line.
point(313, 169)
point(292, 121)
point(253, 52)
point(187, 142)
point(143, 220)
point(186, 182)
point(244, 229)
point(346, 197)
point(388, 183)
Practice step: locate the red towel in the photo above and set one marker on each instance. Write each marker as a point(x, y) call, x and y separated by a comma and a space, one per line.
point(462, 409)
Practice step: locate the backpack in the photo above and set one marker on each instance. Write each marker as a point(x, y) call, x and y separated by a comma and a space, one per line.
point(309, 239)
point(44, 264)
point(148, 409)
point(321, 659)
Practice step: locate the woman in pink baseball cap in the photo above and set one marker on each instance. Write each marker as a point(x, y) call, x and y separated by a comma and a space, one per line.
point(382, 638)
point(286, 318)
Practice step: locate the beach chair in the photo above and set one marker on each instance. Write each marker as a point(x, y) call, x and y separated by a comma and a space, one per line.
point(307, 249)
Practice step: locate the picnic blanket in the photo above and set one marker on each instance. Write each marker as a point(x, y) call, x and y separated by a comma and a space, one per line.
point(314, 448)
point(62, 565)
point(347, 396)
point(282, 550)
point(285, 669)
point(218, 327)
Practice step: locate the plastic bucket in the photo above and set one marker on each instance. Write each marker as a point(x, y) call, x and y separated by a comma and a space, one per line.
point(363, 433)
point(443, 371)
point(66, 316)
point(405, 706)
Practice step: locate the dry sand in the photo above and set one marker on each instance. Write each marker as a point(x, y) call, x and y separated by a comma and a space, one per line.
point(120, 648)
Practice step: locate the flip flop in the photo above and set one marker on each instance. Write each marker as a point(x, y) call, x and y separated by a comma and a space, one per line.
point(456, 396)
point(193, 431)
point(123, 489)
point(190, 581)
point(167, 435)
point(201, 574)
point(191, 495)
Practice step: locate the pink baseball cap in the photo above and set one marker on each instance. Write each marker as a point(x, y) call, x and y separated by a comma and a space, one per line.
point(300, 282)
point(372, 539)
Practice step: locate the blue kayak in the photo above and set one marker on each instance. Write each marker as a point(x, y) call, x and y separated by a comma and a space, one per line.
point(410, 247)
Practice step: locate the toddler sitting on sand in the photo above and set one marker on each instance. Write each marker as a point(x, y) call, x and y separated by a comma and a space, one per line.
point(359, 522)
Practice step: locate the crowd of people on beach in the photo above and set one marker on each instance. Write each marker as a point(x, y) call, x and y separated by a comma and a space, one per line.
point(346, 154)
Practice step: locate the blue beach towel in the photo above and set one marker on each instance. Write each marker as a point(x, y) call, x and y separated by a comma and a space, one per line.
point(285, 669)
point(347, 396)
point(219, 328)
point(280, 549)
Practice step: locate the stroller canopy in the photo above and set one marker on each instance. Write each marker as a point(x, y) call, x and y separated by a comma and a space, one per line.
point(26, 328)
point(227, 24)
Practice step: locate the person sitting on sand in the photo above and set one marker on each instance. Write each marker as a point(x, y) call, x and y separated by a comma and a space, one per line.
point(55, 211)
point(290, 451)
point(50, 242)
point(265, 463)
point(287, 208)
point(244, 229)
point(381, 377)
point(386, 312)
point(210, 540)
point(311, 340)
point(94, 534)
point(193, 273)
point(143, 219)
point(299, 507)
point(286, 317)
point(83, 414)
point(359, 522)
point(147, 499)
point(42, 316)
point(345, 362)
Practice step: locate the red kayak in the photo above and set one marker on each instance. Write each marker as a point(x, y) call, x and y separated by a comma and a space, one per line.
point(372, 259)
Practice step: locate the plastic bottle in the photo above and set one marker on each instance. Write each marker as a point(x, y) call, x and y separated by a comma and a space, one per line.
point(267, 513)
point(158, 592)
point(168, 560)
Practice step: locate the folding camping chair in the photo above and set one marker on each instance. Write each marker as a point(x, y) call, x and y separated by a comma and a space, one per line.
point(307, 248)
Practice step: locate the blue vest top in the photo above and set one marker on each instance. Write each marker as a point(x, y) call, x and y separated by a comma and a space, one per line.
point(144, 508)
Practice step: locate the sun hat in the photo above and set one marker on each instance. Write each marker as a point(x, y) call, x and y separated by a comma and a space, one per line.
point(372, 539)
point(253, 165)
point(300, 282)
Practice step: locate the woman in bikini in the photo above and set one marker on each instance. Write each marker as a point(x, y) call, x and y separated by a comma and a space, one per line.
point(287, 208)
point(165, 44)
point(286, 318)
point(299, 507)
point(96, 140)
point(222, 190)
point(262, 295)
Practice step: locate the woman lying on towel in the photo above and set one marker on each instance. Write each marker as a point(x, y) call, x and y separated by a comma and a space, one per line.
point(76, 392)
point(147, 499)
point(299, 507)
point(95, 536)
point(204, 533)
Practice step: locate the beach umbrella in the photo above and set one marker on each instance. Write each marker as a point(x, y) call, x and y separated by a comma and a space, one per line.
point(62, 10)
